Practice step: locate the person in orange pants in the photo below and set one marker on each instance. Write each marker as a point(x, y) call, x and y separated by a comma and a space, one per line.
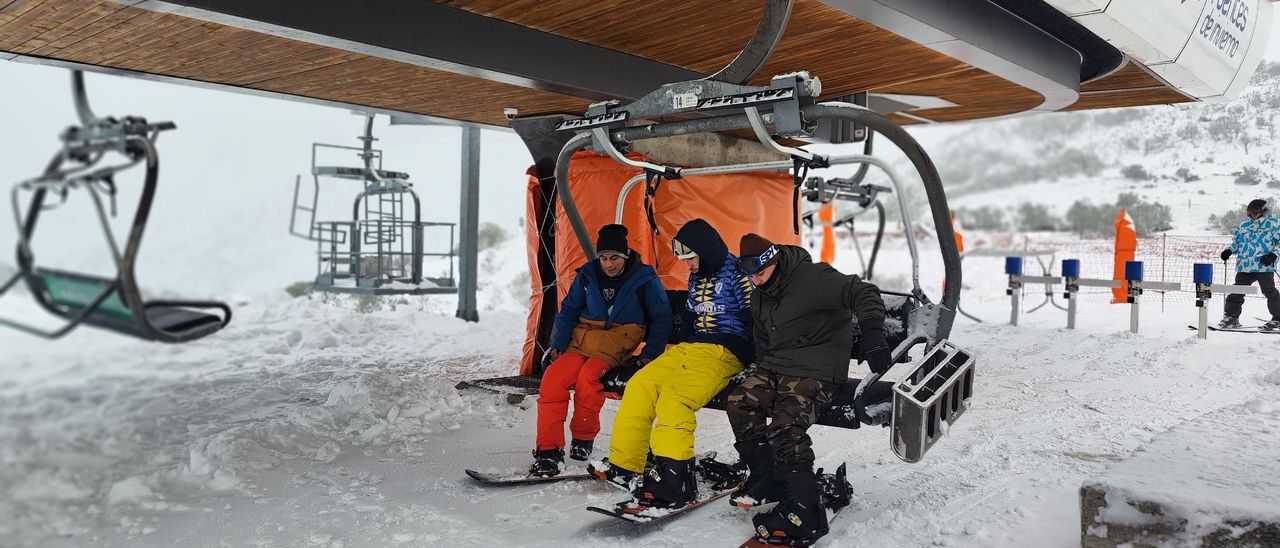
point(614, 304)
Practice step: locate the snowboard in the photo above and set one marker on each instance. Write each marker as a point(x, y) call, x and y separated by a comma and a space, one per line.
point(523, 478)
point(1247, 329)
point(726, 479)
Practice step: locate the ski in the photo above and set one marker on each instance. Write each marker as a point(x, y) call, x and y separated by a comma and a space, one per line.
point(1252, 329)
point(521, 478)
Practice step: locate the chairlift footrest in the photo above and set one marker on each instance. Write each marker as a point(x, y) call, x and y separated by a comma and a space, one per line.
point(930, 399)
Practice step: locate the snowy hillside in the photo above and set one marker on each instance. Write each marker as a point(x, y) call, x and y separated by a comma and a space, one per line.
point(1195, 158)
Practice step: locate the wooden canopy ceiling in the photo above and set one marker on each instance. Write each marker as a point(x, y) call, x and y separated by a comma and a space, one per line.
point(848, 54)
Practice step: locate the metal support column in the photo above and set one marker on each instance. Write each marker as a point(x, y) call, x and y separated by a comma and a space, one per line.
point(469, 225)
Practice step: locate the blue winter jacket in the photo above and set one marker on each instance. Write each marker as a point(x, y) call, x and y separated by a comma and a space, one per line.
point(719, 293)
point(721, 308)
point(1253, 239)
point(586, 302)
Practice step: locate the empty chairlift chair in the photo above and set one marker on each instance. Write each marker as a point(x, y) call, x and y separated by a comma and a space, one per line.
point(381, 250)
point(114, 303)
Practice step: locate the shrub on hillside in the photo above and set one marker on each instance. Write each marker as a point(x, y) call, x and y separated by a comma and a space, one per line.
point(1120, 116)
point(1089, 220)
point(1265, 71)
point(1189, 132)
point(1135, 172)
point(1226, 222)
point(299, 289)
point(1186, 175)
point(490, 235)
point(1037, 217)
point(982, 218)
point(1225, 128)
point(1148, 217)
point(1251, 176)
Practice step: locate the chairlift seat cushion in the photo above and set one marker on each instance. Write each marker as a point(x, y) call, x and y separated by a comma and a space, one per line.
point(72, 292)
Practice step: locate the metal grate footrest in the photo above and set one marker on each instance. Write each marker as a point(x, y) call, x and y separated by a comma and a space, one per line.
point(930, 399)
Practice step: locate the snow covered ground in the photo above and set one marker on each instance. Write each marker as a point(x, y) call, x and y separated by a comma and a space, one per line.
point(310, 423)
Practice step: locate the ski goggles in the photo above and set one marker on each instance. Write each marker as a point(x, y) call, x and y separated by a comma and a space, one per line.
point(751, 265)
point(682, 251)
point(1255, 213)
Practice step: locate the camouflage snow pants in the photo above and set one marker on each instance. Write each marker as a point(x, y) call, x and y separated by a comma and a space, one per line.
point(790, 404)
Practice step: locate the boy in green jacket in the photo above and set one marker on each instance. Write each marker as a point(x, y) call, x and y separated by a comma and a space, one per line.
point(803, 317)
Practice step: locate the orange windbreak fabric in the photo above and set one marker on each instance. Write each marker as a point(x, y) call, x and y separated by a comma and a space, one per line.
point(1126, 247)
point(735, 204)
point(595, 181)
point(533, 211)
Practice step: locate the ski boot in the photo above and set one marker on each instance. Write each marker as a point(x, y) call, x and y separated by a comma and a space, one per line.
point(835, 489)
point(669, 484)
point(799, 521)
point(1273, 325)
point(580, 450)
point(1230, 322)
point(620, 477)
point(761, 486)
point(546, 463)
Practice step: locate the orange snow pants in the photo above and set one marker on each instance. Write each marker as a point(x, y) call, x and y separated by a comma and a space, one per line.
point(582, 374)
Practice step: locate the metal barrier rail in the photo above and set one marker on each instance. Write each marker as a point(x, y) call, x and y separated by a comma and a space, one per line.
point(1134, 282)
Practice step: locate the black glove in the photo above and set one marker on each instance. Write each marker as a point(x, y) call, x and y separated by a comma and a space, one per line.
point(1226, 254)
point(1268, 259)
point(875, 350)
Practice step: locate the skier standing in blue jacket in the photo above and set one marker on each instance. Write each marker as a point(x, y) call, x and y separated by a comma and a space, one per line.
point(1254, 245)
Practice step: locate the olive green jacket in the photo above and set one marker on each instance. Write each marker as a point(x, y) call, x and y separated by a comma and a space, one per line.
point(803, 317)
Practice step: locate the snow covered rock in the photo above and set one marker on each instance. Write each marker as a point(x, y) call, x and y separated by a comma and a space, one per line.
point(1213, 481)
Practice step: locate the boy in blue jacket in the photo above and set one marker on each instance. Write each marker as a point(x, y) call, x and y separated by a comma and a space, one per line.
point(1254, 244)
point(615, 302)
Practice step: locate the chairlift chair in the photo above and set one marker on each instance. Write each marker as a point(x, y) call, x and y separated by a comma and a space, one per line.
point(380, 251)
point(115, 304)
point(937, 387)
point(787, 108)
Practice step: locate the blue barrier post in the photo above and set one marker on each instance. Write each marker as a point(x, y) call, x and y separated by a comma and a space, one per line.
point(1133, 275)
point(1013, 267)
point(1071, 281)
point(1202, 275)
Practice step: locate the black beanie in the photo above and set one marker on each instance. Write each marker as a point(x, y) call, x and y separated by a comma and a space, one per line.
point(1257, 205)
point(612, 238)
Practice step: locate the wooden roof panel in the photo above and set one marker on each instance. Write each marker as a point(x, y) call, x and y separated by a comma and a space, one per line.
point(1130, 76)
point(1128, 98)
point(80, 27)
point(847, 54)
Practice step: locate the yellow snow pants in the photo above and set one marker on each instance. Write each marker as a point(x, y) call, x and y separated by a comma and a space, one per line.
point(671, 388)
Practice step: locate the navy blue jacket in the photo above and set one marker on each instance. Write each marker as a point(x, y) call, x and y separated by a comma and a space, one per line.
point(586, 302)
